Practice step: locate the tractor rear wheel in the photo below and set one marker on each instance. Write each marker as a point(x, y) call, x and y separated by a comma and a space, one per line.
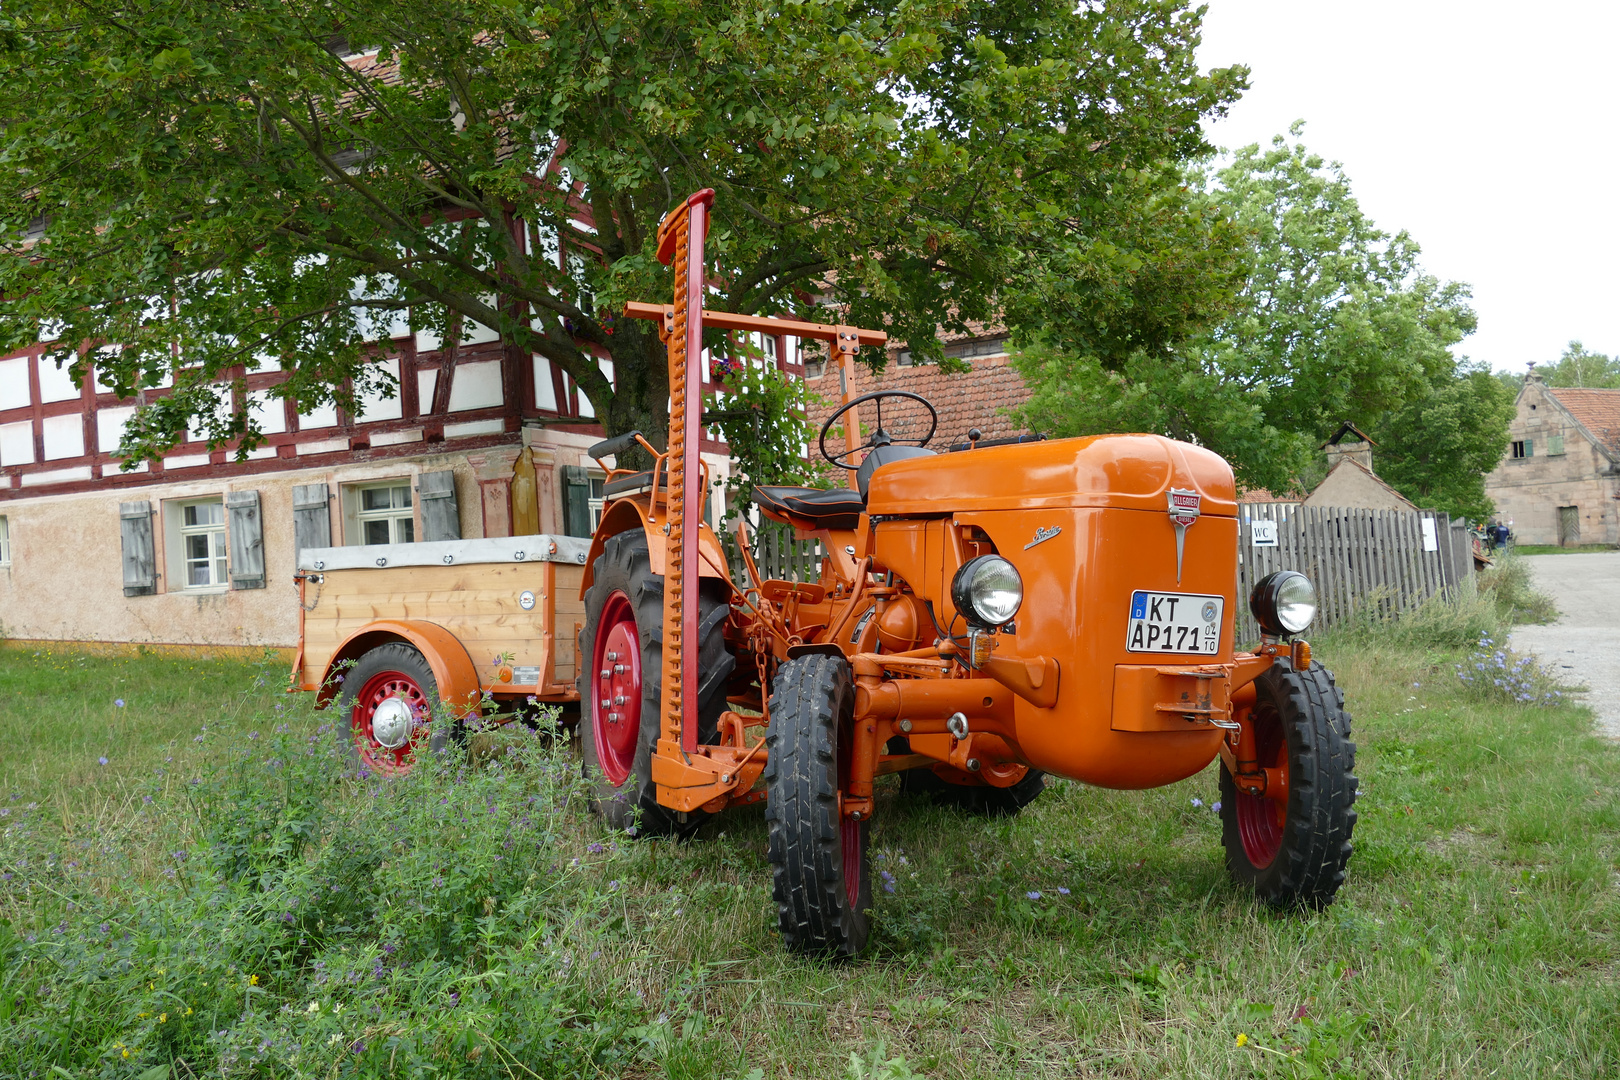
point(974, 798)
point(1293, 851)
point(388, 698)
point(821, 874)
point(621, 662)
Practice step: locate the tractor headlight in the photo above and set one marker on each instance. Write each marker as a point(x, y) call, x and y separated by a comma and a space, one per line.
point(1283, 603)
point(987, 590)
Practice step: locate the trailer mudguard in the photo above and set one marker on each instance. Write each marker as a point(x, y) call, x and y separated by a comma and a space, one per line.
point(453, 669)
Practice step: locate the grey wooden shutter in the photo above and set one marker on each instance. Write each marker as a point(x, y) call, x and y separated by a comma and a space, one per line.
point(441, 517)
point(576, 494)
point(246, 527)
point(312, 518)
point(140, 560)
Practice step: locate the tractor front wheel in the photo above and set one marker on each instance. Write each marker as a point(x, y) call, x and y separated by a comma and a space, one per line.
point(821, 879)
point(1291, 845)
point(621, 658)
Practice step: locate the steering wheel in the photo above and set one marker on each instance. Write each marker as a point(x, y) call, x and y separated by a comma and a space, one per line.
point(879, 437)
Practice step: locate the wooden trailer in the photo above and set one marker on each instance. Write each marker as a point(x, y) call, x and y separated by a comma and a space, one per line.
point(393, 630)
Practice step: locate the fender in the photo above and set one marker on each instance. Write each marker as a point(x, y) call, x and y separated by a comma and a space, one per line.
point(636, 510)
point(453, 670)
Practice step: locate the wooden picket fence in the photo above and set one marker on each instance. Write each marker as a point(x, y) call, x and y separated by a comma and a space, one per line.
point(1378, 562)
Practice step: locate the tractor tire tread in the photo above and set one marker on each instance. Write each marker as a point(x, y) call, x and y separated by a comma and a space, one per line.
point(810, 697)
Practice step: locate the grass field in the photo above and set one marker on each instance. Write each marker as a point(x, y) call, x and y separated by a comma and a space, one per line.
point(260, 917)
point(1554, 549)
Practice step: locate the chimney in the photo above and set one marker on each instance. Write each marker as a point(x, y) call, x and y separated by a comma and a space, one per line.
point(1349, 442)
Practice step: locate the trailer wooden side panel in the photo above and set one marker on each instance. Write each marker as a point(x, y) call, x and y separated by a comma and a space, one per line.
point(479, 603)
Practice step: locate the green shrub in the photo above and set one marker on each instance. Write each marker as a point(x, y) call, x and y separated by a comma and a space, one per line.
point(1508, 585)
point(281, 915)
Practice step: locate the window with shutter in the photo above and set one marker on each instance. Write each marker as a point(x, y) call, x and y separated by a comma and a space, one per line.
point(576, 496)
point(312, 517)
point(441, 516)
point(246, 539)
point(140, 560)
point(1555, 445)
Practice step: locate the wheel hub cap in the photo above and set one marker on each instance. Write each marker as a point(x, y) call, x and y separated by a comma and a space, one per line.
point(392, 723)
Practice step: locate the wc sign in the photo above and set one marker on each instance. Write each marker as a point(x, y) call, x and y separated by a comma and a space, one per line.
point(1262, 533)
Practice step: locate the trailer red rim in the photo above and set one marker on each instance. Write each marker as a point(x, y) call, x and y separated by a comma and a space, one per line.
point(389, 718)
point(1260, 818)
point(616, 704)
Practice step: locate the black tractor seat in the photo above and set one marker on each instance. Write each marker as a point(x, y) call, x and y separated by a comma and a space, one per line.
point(634, 484)
point(817, 508)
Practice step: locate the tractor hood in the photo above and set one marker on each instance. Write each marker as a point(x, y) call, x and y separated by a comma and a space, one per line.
point(1124, 471)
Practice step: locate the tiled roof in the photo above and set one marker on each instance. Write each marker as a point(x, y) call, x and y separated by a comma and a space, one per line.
point(978, 398)
point(1597, 410)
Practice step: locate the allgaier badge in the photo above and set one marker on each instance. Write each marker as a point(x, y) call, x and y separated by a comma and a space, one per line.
point(1183, 512)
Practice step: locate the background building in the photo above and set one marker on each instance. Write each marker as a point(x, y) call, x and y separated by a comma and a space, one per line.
point(1560, 480)
point(200, 549)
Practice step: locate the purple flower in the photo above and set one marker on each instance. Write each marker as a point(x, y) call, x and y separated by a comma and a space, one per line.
point(118, 702)
point(252, 735)
point(596, 849)
point(357, 1047)
point(1033, 894)
point(1215, 806)
point(102, 760)
point(611, 885)
point(1062, 891)
point(146, 798)
point(338, 678)
point(1197, 803)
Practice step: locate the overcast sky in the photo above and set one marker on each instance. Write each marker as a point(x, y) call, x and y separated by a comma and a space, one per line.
point(1487, 130)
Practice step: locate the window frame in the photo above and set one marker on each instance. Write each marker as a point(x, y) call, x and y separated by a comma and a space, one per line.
point(356, 517)
point(1555, 445)
point(5, 540)
point(177, 555)
point(1522, 449)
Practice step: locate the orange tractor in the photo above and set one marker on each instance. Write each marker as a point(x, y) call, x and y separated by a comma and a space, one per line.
point(983, 616)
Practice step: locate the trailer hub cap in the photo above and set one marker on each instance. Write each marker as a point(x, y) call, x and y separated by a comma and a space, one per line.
point(391, 724)
point(616, 697)
point(390, 714)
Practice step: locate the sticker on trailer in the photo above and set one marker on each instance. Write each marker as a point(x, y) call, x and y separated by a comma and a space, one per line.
point(526, 676)
point(1174, 623)
point(1262, 533)
point(526, 600)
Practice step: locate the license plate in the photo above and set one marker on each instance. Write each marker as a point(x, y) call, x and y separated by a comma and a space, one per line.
point(1174, 623)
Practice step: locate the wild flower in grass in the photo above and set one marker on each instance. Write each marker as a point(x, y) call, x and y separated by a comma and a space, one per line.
point(102, 760)
point(1242, 1039)
point(118, 703)
point(1197, 803)
point(1215, 806)
point(1062, 891)
point(1502, 675)
point(888, 881)
point(1033, 894)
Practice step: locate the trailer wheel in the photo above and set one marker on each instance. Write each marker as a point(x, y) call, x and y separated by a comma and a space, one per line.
point(388, 697)
point(1293, 853)
point(620, 674)
point(821, 878)
point(974, 798)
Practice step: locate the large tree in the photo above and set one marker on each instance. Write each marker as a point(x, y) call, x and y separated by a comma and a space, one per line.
point(1335, 321)
point(203, 182)
point(1437, 447)
point(1579, 367)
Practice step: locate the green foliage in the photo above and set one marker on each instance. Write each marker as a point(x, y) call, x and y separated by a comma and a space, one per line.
point(1335, 321)
point(1511, 587)
point(306, 912)
point(213, 182)
point(1578, 367)
point(761, 414)
point(1437, 446)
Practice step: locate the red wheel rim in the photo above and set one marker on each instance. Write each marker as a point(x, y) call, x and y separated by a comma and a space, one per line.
point(381, 689)
point(616, 702)
point(1260, 819)
point(849, 829)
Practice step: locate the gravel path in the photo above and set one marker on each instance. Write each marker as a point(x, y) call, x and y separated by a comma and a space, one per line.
point(1583, 646)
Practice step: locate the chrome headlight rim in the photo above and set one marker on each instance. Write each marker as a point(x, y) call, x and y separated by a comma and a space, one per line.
point(1284, 603)
point(981, 588)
